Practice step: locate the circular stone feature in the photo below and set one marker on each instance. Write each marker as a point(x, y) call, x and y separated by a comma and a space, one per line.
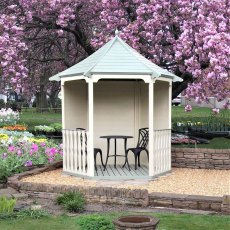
point(136, 222)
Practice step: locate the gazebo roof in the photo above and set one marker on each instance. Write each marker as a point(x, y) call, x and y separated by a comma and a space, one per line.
point(115, 58)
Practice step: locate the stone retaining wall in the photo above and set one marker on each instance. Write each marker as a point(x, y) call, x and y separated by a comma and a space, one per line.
point(209, 203)
point(119, 195)
point(105, 195)
point(201, 158)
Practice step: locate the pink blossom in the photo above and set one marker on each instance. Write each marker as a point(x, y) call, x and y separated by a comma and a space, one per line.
point(34, 147)
point(188, 108)
point(11, 148)
point(226, 105)
point(19, 152)
point(50, 159)
point(216, 111)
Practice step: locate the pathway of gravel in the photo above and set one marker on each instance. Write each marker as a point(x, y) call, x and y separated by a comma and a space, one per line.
point(180, 181)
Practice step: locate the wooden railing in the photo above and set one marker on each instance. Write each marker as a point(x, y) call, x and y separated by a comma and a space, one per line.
point(75, 152)
point(161, 151)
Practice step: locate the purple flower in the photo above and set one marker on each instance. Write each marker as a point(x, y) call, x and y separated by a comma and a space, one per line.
point(19, 153)
point(43, 144)
point(28, 163)
point(11, 148)
point(4, 155)
point(50, 159)
point(51, 151)
point(34, 147)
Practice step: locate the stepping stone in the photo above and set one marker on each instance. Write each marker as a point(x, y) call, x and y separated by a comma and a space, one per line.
point(20, 196)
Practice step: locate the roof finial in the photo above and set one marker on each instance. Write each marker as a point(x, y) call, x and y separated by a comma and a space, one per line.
point(116, 32)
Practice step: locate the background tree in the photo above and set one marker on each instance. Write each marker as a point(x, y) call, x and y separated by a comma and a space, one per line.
point(189, 38)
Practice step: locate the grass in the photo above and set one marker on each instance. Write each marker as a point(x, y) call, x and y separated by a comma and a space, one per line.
point(178, 111)
point(32, 118)
point(167, 222)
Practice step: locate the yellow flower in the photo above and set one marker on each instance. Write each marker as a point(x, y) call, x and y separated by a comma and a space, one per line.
point(4, 137)
point(37, 140)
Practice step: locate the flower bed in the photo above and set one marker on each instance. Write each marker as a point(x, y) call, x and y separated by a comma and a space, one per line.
point(8, 116)
point(19, 150)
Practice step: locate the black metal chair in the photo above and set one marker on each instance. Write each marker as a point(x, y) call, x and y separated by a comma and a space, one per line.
point(143, 140)
point(96, 151)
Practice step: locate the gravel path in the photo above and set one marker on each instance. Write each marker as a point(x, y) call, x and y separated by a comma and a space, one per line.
point(181, 181)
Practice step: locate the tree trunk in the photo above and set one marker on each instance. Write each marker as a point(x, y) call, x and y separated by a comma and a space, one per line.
point(41, 103)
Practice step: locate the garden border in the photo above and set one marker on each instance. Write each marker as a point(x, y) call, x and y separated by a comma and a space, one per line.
point(109, 195)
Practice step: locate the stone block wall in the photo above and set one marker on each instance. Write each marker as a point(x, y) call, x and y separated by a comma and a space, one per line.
point(106, 195)
point(201, 158)
point(182, 201)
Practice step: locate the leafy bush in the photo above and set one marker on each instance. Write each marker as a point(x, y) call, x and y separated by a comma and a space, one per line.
point(7, 205)
point(95, 222)
point(72, 201)
point(57, 126)
point(44, 128)
point(3, 174)
point(33, 213)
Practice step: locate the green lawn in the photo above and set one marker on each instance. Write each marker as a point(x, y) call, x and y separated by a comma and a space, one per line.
point(32, 118)
point(178, 111)
point(167, 222)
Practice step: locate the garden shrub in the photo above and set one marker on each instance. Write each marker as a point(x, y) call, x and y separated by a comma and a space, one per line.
point(33, 213)
point(72, 201)
point(3, 174)
point(7, 205)
point(57, 127)
point(95, 222)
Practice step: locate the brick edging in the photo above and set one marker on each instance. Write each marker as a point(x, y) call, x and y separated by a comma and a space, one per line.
point(109, 195)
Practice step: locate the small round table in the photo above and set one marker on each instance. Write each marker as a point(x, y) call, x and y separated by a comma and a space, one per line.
point(115, 137)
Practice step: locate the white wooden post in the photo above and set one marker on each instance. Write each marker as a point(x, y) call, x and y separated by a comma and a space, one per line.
point(63, 104)
point(90, 126)
point(170, 125)
point(151, 127)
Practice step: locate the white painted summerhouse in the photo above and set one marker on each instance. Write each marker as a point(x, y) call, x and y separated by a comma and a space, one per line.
point(115, 91)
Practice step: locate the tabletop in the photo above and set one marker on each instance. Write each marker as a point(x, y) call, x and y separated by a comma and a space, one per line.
point(116, 137)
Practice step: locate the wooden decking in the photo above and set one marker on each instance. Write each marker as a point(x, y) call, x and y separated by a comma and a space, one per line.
point(118, 173)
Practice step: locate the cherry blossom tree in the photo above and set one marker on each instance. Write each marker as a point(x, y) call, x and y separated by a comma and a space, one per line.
point(12, 47)
point(189, 38)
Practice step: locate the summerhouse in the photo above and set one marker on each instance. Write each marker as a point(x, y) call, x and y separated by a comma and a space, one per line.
point(114, 93)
